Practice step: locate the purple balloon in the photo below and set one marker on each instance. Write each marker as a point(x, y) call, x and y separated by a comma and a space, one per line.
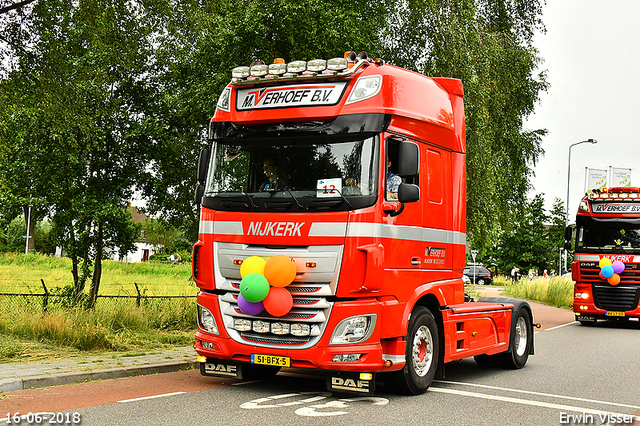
point(249, 308)
point(618, 267)
point(607, 271)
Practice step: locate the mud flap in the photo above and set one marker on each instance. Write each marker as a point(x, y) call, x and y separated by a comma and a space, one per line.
point(221, 368)
point(350, 382)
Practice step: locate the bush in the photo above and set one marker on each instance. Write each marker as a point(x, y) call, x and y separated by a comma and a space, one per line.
point(557, 291)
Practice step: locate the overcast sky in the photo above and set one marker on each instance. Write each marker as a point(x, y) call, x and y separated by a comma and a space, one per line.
point(593, 62)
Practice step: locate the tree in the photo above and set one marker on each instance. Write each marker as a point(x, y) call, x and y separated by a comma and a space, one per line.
point(488, 45)
point(203, 42)
point(534, 240)
point(77, 94)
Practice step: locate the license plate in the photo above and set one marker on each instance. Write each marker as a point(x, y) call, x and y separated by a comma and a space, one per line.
point(615, 314)
point(280, 361)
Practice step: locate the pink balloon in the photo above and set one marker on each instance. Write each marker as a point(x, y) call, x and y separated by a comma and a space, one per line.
point(618, 267)
point(249, 308)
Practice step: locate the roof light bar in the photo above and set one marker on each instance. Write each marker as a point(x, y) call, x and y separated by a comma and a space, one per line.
point(259, 71)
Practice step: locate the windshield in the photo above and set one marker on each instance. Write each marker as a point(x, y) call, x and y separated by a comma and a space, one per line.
point(608, 236)
point(287, 174)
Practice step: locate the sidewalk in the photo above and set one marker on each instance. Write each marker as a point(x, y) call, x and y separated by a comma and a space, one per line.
point(18, 376)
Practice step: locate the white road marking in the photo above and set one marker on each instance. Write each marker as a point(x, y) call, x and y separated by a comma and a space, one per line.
point(562, 325)
point(152, 397)
point(527, 402)
point(537, 393)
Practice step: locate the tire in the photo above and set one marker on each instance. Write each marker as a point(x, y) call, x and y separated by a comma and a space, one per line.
point(259, 372)
point(481, 281)
point(520, 342)
point(422, 353)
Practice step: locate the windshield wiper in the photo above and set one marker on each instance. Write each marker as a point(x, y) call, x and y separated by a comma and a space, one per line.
point(300, 206)
point(253, 205)
point(345, 199)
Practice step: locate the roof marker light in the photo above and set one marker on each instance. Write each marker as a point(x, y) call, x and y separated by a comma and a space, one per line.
point(337, 64)
point(259, 70)
point(240, 72)
point(317, 65)
point(297, 67)
point(365, 88)
point(277, 68)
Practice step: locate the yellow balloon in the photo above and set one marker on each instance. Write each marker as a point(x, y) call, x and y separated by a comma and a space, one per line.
point(252, 264)
point(605, 262)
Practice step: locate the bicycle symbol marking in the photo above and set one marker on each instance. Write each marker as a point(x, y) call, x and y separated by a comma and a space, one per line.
point(331, 408)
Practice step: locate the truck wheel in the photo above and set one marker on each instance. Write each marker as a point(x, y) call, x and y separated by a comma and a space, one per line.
point(521, 340)
point(421, 355)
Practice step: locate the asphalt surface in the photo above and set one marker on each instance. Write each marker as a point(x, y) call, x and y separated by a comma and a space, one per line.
point(18, 376)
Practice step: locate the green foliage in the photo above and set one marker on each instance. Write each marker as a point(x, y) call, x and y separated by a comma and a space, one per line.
point(531, 243)
point(488, 45)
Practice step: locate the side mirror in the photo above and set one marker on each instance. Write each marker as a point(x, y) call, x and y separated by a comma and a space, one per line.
point(568, 233)
point(203, 164)
point(408, 193)
point(199, 193)
point(567, 245)
point(408, 159)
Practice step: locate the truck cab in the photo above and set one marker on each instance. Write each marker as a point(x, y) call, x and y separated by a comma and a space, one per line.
point(354, 171)
point(607, 256)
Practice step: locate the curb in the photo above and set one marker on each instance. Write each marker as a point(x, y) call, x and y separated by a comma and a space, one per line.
point(12, 384)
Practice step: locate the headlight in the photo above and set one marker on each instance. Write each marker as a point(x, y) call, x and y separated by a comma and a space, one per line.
point(365, 88)
point(353, 330)
point(206, 320)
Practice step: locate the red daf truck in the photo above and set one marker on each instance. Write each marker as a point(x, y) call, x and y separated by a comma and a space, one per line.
point(606, 264)
point(354, 171)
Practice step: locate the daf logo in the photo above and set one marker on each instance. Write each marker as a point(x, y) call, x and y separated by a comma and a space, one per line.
point(221, 368)
point(350, 383)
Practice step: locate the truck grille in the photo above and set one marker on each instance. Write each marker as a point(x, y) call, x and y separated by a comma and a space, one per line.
point(311, 291)
point(616, 298)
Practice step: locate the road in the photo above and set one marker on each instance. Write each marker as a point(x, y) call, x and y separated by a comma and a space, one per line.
point(579, 375)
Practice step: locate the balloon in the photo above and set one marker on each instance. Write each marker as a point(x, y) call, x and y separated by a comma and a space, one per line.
point(280, 270)
point(618, 267)
point(604, 262)
point(602, 277)
point(254, 287)
point(607, 271)
point(278, 302)
point(252, 264)
point(249, 308)
point(614, 279)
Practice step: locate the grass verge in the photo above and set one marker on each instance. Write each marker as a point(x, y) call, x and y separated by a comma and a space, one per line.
point(119, 327)
point(557, 291)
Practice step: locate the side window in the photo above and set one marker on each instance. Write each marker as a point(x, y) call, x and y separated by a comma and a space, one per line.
point(392, 179)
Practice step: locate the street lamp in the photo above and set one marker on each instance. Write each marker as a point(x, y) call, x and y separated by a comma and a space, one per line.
point(566, 220)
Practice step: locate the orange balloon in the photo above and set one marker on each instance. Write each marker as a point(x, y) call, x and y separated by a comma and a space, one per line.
point(278, 302)
point(280, 270)
point(614, 279)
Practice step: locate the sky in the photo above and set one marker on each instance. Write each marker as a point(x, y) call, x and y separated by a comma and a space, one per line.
point(592, 57)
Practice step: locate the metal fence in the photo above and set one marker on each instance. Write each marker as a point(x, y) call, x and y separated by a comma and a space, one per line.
point(45, 301)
